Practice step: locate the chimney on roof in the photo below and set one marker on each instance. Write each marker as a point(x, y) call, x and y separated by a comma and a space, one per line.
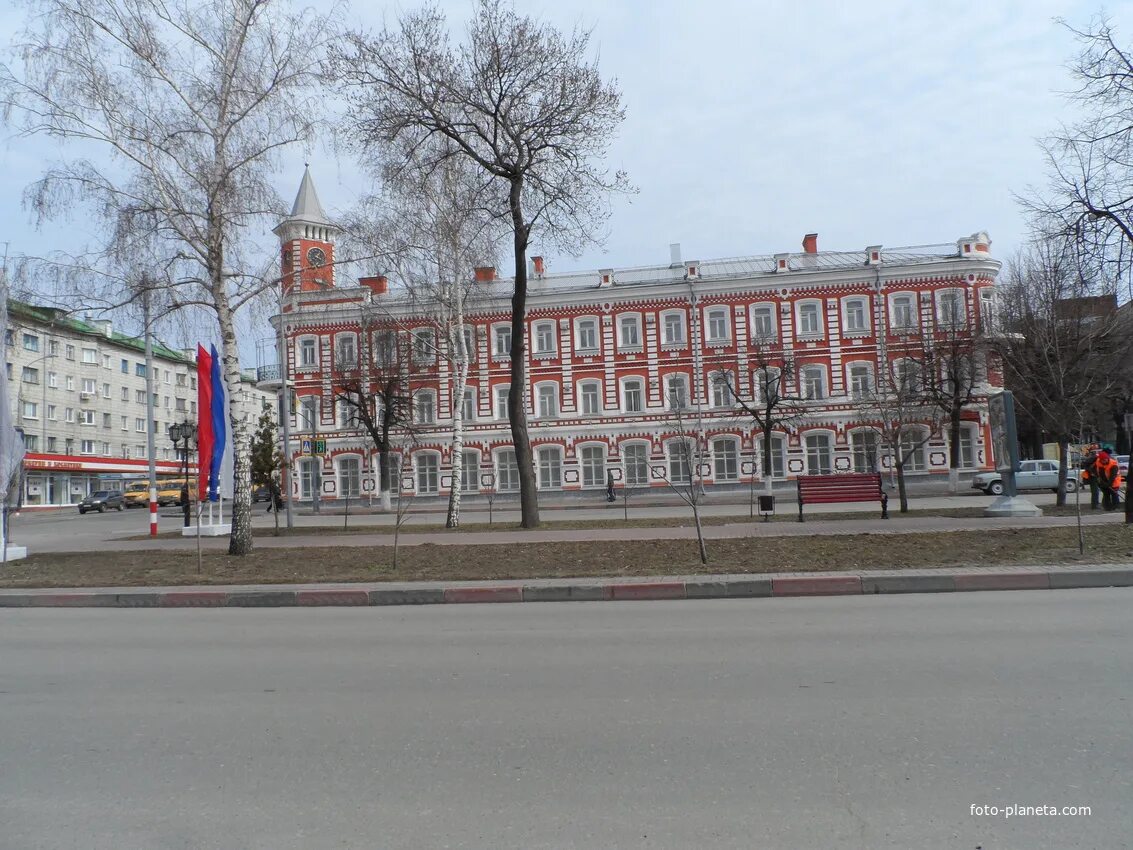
point(485, 274)
point(674, 255)
point(379, 284)
point(810, 243)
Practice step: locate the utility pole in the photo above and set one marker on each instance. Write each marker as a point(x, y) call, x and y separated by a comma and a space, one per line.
point(150, 451)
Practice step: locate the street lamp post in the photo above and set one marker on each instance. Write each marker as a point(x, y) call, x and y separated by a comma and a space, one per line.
point(184, 431)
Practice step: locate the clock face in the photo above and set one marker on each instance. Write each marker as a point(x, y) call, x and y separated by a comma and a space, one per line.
point(316, 257)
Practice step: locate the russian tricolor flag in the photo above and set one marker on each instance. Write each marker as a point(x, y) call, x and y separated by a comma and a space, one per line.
point(211, 426)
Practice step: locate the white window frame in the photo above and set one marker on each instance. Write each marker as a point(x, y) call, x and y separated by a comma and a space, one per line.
point(760, 309)
point(914, 320)
point(860, 450)
point(848, 304)
point(918, 461)
point(718, 325)
point(631, 466)
point(543, 339)
point(857, 392)
point(424, 346)
point(592, 475)
point(420, 408)
point(546, 400)
point(640, 381)
point(679, 461)
point(501, 341)
point(677, 400)
point(500, 395)
point(470, 471)
point(802, 306)
point(549, 467)
point(588, 390)
point(596, 326)
point(725, 449)
point(634, 320)
point(308, 469)
point(30, 410)
point(384, 348)
point(969, 435)
point(307, 345)
point(806, 373)
point(814, 461)
point(346, 479)
point(468, 404)
point(722, 393)
point(674, 330)
point(307, 413)
point(427, 469)
point(507, 470)
point(956, 296)
point(340, 340)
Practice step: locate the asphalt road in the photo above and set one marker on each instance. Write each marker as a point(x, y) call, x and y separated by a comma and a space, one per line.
point(844, 722)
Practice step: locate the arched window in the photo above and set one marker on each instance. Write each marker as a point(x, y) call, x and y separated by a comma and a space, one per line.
point(349, 477)
point(549, 466)
point(819, 453)
point(593, 462)
point(428, 466)
point(866, 445)
point(810, 318)
point(726, 458)
point(590, 397)
point(635, 464)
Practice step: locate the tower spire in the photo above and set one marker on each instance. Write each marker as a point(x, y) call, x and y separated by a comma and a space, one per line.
point(307, 207)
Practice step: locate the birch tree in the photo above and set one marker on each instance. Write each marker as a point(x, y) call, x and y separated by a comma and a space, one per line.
point(528, 107)
point(173, 115)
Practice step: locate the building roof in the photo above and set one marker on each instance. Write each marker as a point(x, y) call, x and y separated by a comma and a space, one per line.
point(741, 267)
point(307, 206)
point(61, 319)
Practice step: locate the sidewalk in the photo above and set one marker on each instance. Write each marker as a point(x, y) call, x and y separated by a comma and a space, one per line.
point(731, 586)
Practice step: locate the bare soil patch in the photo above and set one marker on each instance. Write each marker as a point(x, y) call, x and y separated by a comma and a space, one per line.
point(1108, 543)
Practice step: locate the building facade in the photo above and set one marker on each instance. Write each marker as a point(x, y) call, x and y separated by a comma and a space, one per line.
point(78, 391)
point(625, 363)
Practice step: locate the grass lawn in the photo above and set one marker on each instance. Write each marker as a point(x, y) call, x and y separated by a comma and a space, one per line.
point(1107, 543)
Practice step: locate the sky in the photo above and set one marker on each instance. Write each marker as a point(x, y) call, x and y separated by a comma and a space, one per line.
point(750, 124)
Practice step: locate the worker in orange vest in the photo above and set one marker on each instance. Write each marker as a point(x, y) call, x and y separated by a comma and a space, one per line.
point(1109, 479)
point(1090, 476)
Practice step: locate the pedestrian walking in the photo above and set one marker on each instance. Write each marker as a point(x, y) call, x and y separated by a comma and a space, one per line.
point(610, 486)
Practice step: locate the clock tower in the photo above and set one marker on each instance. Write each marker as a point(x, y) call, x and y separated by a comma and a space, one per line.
point(307, 242)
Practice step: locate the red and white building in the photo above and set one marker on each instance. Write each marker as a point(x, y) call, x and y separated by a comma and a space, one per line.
point(612, 351)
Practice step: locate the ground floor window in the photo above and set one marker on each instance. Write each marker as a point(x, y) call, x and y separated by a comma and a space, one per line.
point(778, 456)
point(726, 455)
point(967, 447)
point(913, 449)
point(680, 461)
point(428, 474)
point(308, 475)
point(507, 471)
point(350, 477)
point(470, 471)
point(593, 466)
point(866, 450)
point(819, 454)
point(635, 463)
point(550, 468)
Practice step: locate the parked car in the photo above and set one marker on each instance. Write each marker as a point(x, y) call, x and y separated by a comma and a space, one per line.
point(102, 500)
point(1031, 475)
point(136, 494)
point(169, 492)
point(1122, 465)
point(261, 494)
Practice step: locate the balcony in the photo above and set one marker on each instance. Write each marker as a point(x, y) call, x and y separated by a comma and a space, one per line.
point(269, 376)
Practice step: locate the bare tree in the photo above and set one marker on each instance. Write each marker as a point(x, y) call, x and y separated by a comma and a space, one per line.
point(183, 108)
point(1089, 196)
point(524, 103)
point(378, 395)
point(434, 227)
point(1061, 341)
point(769, 404)
point(903, 413)
point(684, 471)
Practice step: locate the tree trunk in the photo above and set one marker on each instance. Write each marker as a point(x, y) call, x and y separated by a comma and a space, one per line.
point(452, 520)
point(384, 478)
point(517, 394)
point(902, 494)
point(240, 540)
point(954, 450)
point(699, 531)
point(768, 466)
point(1063, 461)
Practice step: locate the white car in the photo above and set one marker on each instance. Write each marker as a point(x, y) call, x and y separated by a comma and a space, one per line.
point(1031, 475)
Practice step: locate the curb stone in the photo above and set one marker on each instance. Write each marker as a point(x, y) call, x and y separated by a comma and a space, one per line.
point(708, 587)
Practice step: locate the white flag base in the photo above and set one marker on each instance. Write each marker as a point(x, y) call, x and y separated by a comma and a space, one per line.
point(211, 526)
point(14, 553)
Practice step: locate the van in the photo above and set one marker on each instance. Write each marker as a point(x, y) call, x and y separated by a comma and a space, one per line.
point(169, 492)
point(136, 494)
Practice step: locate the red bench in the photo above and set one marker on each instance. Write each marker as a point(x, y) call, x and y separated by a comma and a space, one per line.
point(845, 487)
